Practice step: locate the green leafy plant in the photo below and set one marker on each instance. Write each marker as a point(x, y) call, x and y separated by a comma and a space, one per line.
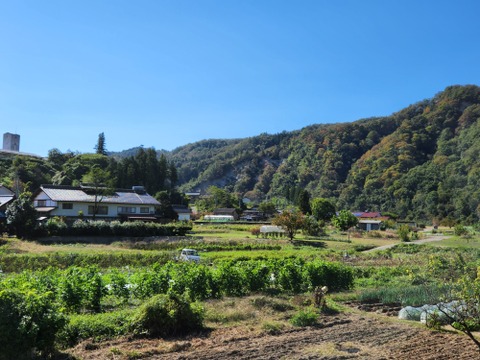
point(167, 315)
point(403, 233)
point(29, 323)
point(305, 317)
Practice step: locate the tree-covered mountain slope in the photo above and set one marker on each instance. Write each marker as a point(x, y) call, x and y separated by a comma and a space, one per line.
point(418, 162)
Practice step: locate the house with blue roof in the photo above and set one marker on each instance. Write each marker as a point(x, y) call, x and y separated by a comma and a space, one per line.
point(73, 202)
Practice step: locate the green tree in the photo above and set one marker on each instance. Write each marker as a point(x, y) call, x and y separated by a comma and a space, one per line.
point(165, 208)
point(98, 184)
point(344, 220)
point(268, 208)
point(172, 175)
point(303, 202)
point(219, 198)
point(100, 147)
point(290, 220)
point(312, 226)
point(322, 209)
point(467, 314)
point(22, 216)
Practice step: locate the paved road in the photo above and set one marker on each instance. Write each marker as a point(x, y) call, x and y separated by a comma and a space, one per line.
point(430, 238)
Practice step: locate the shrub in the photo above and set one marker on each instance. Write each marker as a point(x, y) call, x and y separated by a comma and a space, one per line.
point(460, 230)
point(403, 232)
point(29, 323)
point(95, 326)
point(55, 226)
point(306, 317)
point(167, 315)
point(272, 328)
point(313, 227)
point(81, 288)
point(289, 275)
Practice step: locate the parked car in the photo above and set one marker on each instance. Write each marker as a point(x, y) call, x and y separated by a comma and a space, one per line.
point(189, 255)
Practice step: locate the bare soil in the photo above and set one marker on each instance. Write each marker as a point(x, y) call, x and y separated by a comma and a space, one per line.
point(344, 336)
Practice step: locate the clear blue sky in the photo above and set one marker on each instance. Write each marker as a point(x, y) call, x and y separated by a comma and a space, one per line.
point(166, 73)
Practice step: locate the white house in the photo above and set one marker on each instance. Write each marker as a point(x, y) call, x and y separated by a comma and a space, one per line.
point(6, 197)
point(183, 212)
point(369, 225)
point(70, 201)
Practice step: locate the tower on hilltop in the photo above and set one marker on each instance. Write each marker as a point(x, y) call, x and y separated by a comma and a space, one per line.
point(11, 142)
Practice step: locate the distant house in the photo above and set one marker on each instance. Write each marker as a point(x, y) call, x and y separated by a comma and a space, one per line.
point(70, 201)
point(367, 214)
point(369, 225)
point(183, 212)
point(252, 215)
point(6, 197)
point(193, 195)
point(227, 211)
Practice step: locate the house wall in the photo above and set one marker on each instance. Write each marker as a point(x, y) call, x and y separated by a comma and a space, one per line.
point(369, 226)
point(112, 210)
point(184, 216)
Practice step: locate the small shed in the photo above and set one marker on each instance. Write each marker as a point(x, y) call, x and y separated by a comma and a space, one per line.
point(369, 225)
point(227, 212)
point(183, 212)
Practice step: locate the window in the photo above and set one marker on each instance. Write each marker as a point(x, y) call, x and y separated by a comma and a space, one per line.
point(67, 206)
point(101, 210)
point(41, 203)
point(127, 209)
point(145, 210)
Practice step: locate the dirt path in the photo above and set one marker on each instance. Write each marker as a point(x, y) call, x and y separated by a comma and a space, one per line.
point(428, 239)
point(344, 336)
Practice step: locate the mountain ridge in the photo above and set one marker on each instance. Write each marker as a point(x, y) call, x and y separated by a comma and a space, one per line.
point(413, 162)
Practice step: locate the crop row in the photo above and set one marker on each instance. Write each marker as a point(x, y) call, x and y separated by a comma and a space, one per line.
point(80, 289)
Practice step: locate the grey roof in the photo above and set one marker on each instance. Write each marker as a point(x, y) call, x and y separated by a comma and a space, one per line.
point(77, 194)
point(5, 200)
point(181, 209)
point(6, 195)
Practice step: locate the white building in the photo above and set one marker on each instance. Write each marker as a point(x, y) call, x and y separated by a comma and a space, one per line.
point(70, 201)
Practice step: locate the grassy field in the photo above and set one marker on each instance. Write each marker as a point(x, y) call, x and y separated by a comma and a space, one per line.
point(459, 242)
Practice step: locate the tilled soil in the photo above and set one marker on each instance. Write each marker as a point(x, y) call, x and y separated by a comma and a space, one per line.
point(344, 336)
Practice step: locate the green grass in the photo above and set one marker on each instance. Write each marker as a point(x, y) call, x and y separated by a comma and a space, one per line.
point(458, 242)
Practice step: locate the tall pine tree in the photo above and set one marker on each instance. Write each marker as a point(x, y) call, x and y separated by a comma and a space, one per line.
point(100, 147)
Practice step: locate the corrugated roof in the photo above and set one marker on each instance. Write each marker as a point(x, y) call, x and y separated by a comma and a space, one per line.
point(77, 194)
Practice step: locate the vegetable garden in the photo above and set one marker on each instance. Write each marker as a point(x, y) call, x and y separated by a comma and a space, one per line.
point(52, 300)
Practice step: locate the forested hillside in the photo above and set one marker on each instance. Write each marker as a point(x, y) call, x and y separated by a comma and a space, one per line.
point(420, 162)
point(26, 173)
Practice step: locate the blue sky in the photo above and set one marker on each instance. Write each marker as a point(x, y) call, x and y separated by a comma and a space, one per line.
point(167, 73)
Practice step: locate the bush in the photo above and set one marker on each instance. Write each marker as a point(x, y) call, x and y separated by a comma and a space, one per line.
point(167, 315)
point(29, 323)
point(255, 231)
point(135, 228)
point(307, 317)
point(55, 226)
point(460, 230)
point(95, 326)
point(403, 232)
